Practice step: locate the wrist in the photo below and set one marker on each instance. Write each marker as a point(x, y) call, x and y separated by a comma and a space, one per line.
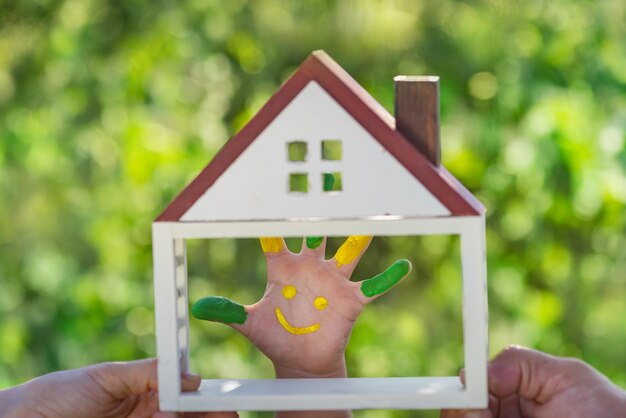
point(338, 370)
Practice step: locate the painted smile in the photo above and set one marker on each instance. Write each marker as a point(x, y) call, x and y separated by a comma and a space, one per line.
point(294, 330)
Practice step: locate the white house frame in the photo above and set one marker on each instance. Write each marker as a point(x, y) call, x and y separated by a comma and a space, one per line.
point(322, 102)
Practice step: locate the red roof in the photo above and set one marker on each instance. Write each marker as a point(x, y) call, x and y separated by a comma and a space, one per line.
point(363, 108)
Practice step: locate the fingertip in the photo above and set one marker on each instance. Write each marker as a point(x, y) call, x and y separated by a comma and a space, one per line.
point(407, 263)
point(313, 243)
point(219, 309)
point(190, 382)
point(272, 245)
point(404, 267)
point(351, 251)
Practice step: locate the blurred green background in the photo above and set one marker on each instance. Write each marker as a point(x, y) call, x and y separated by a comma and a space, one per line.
point(109, 108)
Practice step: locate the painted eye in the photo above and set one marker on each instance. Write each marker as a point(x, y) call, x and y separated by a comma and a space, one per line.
point(320, 303)
point(289, 292)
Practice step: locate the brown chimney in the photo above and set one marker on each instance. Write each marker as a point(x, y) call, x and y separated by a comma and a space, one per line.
point(417, 113)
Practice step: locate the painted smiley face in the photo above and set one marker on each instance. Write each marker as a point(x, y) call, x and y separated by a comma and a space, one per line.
point(289, 292)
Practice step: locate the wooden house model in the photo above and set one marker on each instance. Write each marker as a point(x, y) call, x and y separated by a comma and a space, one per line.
point(392, 183)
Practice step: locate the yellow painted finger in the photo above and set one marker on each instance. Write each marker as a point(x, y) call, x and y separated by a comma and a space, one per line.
point(272, 244)
point(351, 249)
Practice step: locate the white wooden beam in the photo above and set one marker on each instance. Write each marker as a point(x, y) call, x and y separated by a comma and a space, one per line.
point(475, 315)
point(169, 371)
point(328, 394)
point(306, 394)
point(386, 226)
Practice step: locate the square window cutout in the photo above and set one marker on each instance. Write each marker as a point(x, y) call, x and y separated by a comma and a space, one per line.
point(297, 151)
point(332, 182)
point(298, 183)
point(332, 149)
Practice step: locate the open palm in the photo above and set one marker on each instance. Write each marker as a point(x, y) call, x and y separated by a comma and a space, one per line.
point(304, 320)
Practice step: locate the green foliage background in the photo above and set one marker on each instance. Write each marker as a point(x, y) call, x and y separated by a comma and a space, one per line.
point(109, 108)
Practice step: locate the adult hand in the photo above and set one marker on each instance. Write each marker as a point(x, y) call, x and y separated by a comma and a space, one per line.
point(108, 390)
point(530, 384)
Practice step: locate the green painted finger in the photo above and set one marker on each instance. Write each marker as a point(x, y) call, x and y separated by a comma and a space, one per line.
point(387, 279)
point(329, 182)
point(219, 309)
point(314, 242)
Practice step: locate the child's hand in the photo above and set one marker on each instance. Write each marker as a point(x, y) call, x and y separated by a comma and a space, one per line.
point(304, 320)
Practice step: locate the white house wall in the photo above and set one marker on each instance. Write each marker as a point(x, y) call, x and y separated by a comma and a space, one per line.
point(255, 186)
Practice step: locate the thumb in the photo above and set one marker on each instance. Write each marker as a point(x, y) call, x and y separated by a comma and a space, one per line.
point(123, 379)
point(524, 372)
point(381, 283)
